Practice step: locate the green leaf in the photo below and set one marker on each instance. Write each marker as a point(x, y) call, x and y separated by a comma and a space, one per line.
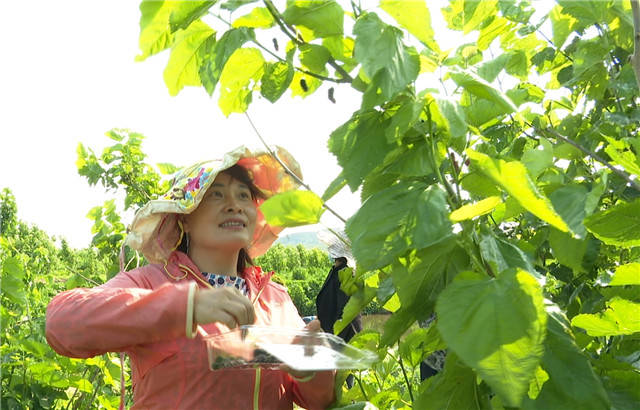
point(570, 202)
point(572, 383)
point(314, 57)
point(167, 168)
point(478, 186)
point(567, 250)
point(334, 187)
point(538, 381)
point(421, 277)
point(420, 219)
point(397, 325)
point(217, 56)
point(232, 5)
point(455, 117)
point(497, 327)
point(258, 18)
point(341, 49)
point(410, 161)
point(293, 208)
point(628, 274)
point(360, 145)
point(618, 225)
point(620, 317)
point(561, 26)
point(155, 33)
point(378, 44)
point(184, 63)
point(518, 64)
point(237, 81)
point(186, 12)
point(478, 13)
point(622, 155)
point(275, 80)
point(498, 26)
point(413, 16)
point(593, 197)
point(323, 18)
point(586, 12)
point(414, 348)
point(361, 298)
point(12, 282)
point(405, 111)
point(622, 388)
point(526, 92)
point(480, 88)
point(503, 255)
point(454, 388)
point(538, 159)
point(489, 71)
point(514, 179)
point(470, 211)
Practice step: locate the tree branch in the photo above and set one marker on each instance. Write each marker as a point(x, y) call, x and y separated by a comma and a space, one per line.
point(635, 58)
point(298, 40)
point(595, 156)
point(298, 180)
point(274, 55)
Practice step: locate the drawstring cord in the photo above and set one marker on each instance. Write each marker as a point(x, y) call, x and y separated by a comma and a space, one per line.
point(122, 384)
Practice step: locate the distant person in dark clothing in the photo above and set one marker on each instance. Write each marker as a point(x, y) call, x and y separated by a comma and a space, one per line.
point(331, 300)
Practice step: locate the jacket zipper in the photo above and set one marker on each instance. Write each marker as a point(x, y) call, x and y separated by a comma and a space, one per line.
point(256, 390)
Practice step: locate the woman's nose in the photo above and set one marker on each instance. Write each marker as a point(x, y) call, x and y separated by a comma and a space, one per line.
point(233, 206)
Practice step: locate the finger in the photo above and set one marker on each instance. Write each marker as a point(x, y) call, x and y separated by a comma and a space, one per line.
point(314, 326)
point(248, 306)
point(226, 319)
point(238, 311)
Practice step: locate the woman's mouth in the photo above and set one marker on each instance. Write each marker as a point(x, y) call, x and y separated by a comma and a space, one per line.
point(232, 225)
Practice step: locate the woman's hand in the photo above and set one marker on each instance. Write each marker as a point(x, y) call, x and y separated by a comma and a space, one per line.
point(226, 305)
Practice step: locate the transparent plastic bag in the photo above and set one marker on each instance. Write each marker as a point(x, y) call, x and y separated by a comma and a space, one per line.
point(249, 346)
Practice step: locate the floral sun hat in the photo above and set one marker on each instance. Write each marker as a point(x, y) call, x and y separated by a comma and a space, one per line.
point(155, 231)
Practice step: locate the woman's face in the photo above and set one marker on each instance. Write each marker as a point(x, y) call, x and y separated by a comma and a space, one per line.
point(225, 218)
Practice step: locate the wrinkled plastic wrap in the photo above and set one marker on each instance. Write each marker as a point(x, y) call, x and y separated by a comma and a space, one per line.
point(250, 346)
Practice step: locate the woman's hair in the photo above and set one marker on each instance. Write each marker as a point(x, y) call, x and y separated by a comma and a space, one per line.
point(239, 173)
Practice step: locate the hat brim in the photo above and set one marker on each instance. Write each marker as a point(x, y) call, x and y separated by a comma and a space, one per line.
point(154, 230)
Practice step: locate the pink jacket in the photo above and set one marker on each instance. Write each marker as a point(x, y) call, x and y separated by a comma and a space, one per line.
point(143, 313)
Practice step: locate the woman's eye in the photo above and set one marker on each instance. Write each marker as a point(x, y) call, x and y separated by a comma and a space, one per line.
point(245, 195)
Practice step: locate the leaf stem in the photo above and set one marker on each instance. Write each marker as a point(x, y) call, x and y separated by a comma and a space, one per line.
point(635, 58)
point(451, 195)
point(288, 171)
point(404, 373)
point(366, 398)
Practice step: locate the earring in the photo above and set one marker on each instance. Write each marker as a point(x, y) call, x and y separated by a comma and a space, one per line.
point(179, 237)
point(187, 239)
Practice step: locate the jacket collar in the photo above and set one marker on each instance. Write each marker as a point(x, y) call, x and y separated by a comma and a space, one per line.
point(255, 277)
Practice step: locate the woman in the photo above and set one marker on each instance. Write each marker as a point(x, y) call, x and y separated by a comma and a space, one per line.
point(159, 313)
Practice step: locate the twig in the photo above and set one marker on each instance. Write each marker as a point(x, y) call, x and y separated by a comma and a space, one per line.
point(346, 78)
point(361, 388)
point(88, 279)
point(595, 156)
point(288, 171)
point(635, 58)
point(274, 55)
point(404, 372)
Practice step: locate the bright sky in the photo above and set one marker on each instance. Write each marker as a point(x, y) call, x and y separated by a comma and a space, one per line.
point(68, 75)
